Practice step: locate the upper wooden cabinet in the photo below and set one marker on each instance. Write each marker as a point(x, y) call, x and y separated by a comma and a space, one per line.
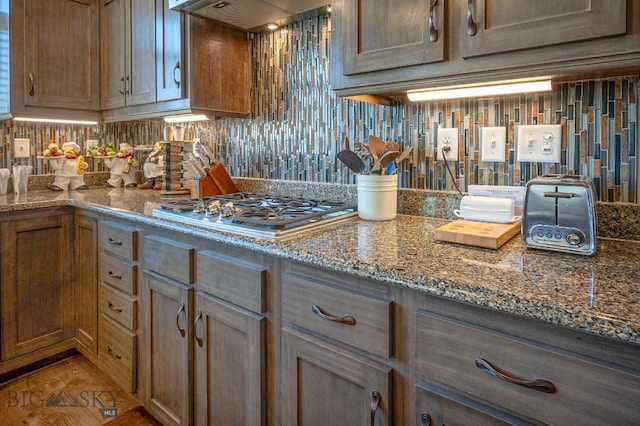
point(127, 33)
point(200, 66)
point(54, 58)
point(385, 50)
point(391, 34)
point(495, 26)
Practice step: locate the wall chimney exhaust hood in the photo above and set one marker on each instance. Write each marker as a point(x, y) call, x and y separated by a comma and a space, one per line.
point(250, 15)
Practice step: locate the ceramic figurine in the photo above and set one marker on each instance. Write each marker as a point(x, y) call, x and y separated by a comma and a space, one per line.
point(153, 167)
point(69, 169)
point(122, 168)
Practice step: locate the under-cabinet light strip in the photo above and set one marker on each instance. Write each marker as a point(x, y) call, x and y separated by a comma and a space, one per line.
point(55, 120)
point(503, 88)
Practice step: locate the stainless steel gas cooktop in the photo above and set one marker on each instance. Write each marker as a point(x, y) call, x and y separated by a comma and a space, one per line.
point(256, 215)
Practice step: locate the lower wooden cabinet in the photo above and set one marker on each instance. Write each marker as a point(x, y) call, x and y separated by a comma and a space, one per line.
point(325, 385)
point(230, 365)
point(36, 266)
point(168, 353)
point(86, 281)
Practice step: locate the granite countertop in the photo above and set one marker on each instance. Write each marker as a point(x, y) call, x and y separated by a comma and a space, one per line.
point(598, 294)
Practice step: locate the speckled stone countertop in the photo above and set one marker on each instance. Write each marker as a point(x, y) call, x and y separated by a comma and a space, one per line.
point(599, 294)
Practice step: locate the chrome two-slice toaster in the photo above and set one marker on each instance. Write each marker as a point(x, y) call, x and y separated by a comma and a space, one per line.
point(559, 214)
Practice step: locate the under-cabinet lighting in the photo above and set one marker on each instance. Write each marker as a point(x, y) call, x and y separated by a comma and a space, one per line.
point(55, 120)
point(475, 91)
point(185, 118)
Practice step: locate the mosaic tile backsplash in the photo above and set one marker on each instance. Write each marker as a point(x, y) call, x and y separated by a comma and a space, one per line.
point(298, 125)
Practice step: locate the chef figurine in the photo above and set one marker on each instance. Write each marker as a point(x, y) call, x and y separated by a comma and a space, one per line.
point(69, 169)
point(122, 168)
point(153, 167)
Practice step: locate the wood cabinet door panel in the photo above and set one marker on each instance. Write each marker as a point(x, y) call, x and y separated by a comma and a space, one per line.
point(170, 64)
point(323, 385)
point(36, 284)
point(382, 34)
point(86, 285)
point(61, 54)
point(508, 25)
point(141, 48)
point(438, 407)
point(113, 33)
point(168, 356)
point(230, 364)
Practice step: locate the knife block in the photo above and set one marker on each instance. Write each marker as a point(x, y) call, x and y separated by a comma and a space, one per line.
point(217, 182)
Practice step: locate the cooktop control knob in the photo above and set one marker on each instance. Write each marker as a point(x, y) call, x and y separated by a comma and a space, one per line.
point(575, 239)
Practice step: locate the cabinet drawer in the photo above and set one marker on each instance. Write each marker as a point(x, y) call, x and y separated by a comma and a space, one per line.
point(119, 239)
point(169, 258)
point(238, 282)
point(118, 273)
point(118, 353)
point(119, 306)
point(587, 391)
point(350, 317)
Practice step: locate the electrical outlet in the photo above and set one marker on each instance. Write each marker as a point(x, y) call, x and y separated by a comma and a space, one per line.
point(447, 138)
point(22, 149)
point(539, 143)
point(494, 140)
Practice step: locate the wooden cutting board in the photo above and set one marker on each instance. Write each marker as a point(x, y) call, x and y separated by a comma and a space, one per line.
point(478, 234)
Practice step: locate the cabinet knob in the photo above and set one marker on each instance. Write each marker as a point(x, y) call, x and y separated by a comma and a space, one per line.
point(177, 70)
point(433, 33)
point(32, 84)
point(425, 419)
point(110, 352)
point(375, 403)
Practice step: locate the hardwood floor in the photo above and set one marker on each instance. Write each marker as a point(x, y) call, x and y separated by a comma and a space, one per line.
point(71, 392)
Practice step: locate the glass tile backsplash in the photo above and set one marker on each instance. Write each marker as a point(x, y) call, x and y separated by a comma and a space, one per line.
point(298, 125)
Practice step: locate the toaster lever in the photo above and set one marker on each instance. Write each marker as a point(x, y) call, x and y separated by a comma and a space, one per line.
point(559, 194)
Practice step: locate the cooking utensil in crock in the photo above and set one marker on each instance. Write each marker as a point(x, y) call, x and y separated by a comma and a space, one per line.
point(351, 160)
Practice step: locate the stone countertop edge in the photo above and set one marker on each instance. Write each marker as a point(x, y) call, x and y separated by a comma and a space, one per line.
point(598, 295)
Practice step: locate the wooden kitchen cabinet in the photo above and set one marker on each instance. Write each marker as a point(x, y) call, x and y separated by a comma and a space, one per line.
point(168, 306)
point(478, 41)
point(37, 266)
point(127, 33)
point(86, 281)
point(385, 35)
point(231, 341)
point(54, 58)
point(202, 66)
point(337, 341)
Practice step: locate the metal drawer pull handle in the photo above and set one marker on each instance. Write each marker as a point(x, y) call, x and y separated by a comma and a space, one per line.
point(349, 320)
point(471, 26)
point(121, 86)
point(425, 419)
point(112, 307)
point(110, 352)
point(180, 312)
point(195, 328)
point(116, 276)
point(540, 385)
point(375, 403)
point(32, 84)
point(115, 242)
point(433, 33)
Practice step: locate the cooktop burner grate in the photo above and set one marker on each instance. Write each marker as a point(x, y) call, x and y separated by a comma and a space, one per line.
point(255, 214)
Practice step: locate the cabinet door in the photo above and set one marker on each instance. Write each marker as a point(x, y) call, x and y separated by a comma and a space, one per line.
point(61, 54)
point(508, 25)
point(382, 34)
point(86, 282)
point(230, 364)
point(323, 385)
point(438, 407)
point(37, 300)
point(168, 352)
point(141, 67)
point(113, 36)
point(169, 62)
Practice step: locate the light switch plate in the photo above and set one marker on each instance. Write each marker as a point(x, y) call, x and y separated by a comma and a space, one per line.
point(539, 143)
point(494, 141)
point(447, 138)
point(21, 148)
